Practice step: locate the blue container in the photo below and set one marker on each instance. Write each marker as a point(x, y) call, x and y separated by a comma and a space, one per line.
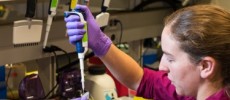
point(149, 59)
point(2, 83)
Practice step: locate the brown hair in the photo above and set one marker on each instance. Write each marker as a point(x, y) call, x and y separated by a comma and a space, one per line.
point(203, 30)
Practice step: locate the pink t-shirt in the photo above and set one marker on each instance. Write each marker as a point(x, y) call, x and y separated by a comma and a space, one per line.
point(156, 85)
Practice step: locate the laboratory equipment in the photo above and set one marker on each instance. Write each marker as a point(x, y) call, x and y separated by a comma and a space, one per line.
point(100, 85)
point(2, 83)
point(103, 18)
point(82, 45)
point(4, 12)
point(132, 32)
point(70, 83)
point(30, 11)
point(51, 14)
point(21, 32)
point(30, 88)
point(31, 28)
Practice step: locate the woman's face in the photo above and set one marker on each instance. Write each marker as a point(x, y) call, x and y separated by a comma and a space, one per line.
point(184, 75)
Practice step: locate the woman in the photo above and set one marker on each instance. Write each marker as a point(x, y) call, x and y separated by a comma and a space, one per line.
point(196, 55)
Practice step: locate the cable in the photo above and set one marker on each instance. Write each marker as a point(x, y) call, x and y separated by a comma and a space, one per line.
point(67, 55)
point(118, 21)
point(53, 48)
point(65, 67)
point(56, 59)
point(56, 48)
point(8, 75)
point(121, 32)
point(57, 65)
point(50, 91)
point(7, 79)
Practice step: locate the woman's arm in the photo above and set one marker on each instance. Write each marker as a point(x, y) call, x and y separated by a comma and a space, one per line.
point(123, 67)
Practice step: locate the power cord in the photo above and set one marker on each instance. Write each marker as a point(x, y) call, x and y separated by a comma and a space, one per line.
point(65, 67)
point(50, 91)
point(121, 25)
point(7, 79)
point(8, 75)
point(53, 48)
point(56, 59)
point(115, 22)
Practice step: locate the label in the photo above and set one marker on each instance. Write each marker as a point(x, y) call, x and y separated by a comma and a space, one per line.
point(110, 94)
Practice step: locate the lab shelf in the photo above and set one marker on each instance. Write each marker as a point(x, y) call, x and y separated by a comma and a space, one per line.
point(136, 26)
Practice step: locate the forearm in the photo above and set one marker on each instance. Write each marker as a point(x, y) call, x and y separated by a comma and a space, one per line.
point(123, 67)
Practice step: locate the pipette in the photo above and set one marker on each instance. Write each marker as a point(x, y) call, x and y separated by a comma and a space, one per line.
point(81, 45)
point(30, 11)
point(103, 18)
point(52, 13)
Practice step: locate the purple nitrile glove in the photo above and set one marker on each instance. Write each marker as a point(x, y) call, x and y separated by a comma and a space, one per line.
point(84, 97)
point(97, 40)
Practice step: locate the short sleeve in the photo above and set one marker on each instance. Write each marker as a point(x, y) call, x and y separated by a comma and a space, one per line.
point(156, 85)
